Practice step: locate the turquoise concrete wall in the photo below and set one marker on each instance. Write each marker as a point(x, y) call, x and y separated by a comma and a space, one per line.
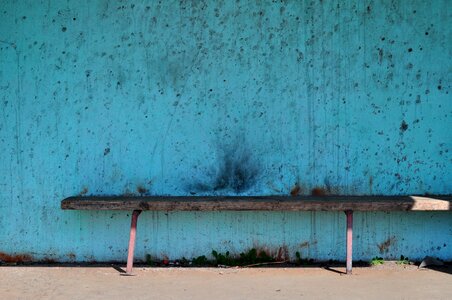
point(223, 98)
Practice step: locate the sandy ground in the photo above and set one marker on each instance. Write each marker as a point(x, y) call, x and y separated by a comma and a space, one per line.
point(64, 282)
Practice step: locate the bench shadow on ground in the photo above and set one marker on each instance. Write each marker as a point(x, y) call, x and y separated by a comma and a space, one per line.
point(444, 269)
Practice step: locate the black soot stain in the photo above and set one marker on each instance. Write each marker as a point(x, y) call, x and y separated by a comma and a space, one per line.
point(237, 171)
point(403, 126)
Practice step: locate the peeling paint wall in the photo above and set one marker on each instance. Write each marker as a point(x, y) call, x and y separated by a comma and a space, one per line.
point(222, 97)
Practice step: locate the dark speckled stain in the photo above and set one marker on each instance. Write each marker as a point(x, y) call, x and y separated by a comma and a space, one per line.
point(49, 260)
point(237, 171)
point(235, 174)
point(403, 126)
point(71, 256)
point(106, 151)
point(141, 190)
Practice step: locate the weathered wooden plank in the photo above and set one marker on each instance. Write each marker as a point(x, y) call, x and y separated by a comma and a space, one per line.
point(261, 203)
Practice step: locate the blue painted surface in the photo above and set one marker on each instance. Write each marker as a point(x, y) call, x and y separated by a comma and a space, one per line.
point(105, 97)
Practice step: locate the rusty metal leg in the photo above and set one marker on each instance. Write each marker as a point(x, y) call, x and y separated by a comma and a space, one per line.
point(133, 232)
point(349, 214)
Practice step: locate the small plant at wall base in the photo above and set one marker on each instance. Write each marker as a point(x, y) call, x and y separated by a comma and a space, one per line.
point(200, 261)
point(377, 261)
point(250, 257)
point(298, 256)
point(184, 262)
point(301, 261)
point(403, 260)
point(254, 257)
point(148, 260)
point(222, 259)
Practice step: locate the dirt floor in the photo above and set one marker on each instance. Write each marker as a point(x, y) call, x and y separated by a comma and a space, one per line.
point(104, 282)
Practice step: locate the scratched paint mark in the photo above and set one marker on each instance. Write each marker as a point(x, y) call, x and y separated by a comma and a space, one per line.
point(384, 246)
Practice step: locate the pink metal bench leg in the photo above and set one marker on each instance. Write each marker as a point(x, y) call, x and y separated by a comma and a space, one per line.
point(349, 214)
point(133, 232)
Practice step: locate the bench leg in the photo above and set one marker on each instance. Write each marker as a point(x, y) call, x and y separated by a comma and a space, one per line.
point(349, 214)
point(133, 233)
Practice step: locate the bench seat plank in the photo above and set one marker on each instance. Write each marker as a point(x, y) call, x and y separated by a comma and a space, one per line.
point(260, 203)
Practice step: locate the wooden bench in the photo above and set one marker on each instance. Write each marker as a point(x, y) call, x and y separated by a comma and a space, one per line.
point(348, 204)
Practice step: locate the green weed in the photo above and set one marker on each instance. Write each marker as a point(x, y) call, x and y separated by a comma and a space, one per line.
point(250, 257)
point(222, 259)
point(377, 261)
point(403, 260)
point(300, 261)
point(200, 261)
point(148, 260)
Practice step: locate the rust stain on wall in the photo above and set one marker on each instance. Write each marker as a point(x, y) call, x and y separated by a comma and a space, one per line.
point(318, 191)
point(296, 190)
point(283, 254)
point(16, 258)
